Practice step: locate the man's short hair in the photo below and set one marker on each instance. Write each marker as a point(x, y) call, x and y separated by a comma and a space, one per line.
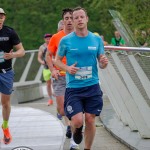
point(66, 10)
point(79, 8)
point(60, 25)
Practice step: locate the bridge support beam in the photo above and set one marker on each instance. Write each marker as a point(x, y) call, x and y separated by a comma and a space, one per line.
point(26, 91)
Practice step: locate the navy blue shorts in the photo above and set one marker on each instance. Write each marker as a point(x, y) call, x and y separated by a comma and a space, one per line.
point(86, 99)
point(6, 82)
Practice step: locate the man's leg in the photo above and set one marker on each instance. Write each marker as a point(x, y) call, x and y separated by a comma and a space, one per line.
point(60, 109)
point(6, 90)
point(5, 100)
point(90, 130)
point(46, 76)
point(49, 88)
point(77, 121)
point(77, 125)
point(60, 105)
point(6, 108)
point(49, 91)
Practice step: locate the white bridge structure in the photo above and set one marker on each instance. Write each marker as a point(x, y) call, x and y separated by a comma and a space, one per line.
point(125, 82)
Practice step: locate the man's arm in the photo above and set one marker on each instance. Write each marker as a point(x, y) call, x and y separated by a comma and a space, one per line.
point(70, 69)
point(20, 52)
point(49, 61)
point(40, 54)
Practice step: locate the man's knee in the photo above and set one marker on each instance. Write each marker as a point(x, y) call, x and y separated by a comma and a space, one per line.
point(77, 120)
point(6, 105)
point(5, 100)
point(90, 120)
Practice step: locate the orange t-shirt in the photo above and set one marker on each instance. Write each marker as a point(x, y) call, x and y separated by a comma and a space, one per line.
point(53, 46)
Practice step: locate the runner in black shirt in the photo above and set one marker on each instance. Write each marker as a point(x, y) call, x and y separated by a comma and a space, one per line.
point(8, 40)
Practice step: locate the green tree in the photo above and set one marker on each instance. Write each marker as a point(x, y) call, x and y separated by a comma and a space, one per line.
point(33, 18)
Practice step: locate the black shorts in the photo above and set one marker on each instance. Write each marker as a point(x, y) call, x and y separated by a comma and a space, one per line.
point(86, 99)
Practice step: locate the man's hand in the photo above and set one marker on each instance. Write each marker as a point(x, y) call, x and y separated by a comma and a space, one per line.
point(43, 62)
point(103, 62)
point(55, 74)
point(9, 55)
point(72, 69)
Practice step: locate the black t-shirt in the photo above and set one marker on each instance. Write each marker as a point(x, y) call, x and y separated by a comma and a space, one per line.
point(8, 39)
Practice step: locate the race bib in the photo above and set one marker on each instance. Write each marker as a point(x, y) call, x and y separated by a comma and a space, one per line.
point(62, 72)
point(2, 57)
point(84, 73)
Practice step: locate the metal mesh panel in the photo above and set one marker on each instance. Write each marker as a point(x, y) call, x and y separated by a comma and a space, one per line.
point(126, 62)
point(144, 62)
point(123, 28)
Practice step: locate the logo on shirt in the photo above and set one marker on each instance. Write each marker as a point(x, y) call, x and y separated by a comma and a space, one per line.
point(4, 38)
point(91, 48)
point(73, 49)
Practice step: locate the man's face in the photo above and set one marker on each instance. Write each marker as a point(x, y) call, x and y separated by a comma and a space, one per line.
point(80, 19)
point(117, 34)
point(68, 21)
point(47, 39)
point(2, 19)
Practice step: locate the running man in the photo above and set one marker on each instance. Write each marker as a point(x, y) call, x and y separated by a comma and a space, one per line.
point(8, 40)
point(59, 84)
point(83, 94)
point(46, 71)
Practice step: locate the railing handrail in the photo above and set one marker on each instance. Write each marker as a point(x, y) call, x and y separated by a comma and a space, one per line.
point(124, 48)
point(31, 51)
point(136, 49)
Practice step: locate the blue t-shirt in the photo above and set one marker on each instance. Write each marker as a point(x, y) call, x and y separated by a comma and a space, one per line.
point(84, 51)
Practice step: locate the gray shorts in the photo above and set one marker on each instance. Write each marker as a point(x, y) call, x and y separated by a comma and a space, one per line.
point(59, 86)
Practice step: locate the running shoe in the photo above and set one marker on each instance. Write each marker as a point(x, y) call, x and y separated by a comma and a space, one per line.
point(73, 145)
point(50, 102)
point(7, 136)
point(68, 132)
point(59, 116)
point(77, 135)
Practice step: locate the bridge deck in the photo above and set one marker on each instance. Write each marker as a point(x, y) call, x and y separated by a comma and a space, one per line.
point(35, 129)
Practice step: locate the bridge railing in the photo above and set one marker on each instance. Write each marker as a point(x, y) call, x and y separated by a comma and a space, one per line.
point(126, 82)
point(28, 77)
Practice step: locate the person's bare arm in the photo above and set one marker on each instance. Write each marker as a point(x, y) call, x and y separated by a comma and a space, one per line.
point(40, 54)
point(49, 61)
point(20, 52)
point(71, 69)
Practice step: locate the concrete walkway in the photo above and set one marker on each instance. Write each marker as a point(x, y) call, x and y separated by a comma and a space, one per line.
point(35, 129)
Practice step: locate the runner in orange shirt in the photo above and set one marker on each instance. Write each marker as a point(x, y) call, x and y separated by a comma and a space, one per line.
point(59, 82)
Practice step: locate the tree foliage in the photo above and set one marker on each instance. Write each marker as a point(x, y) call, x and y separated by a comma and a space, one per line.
point(33, 18)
